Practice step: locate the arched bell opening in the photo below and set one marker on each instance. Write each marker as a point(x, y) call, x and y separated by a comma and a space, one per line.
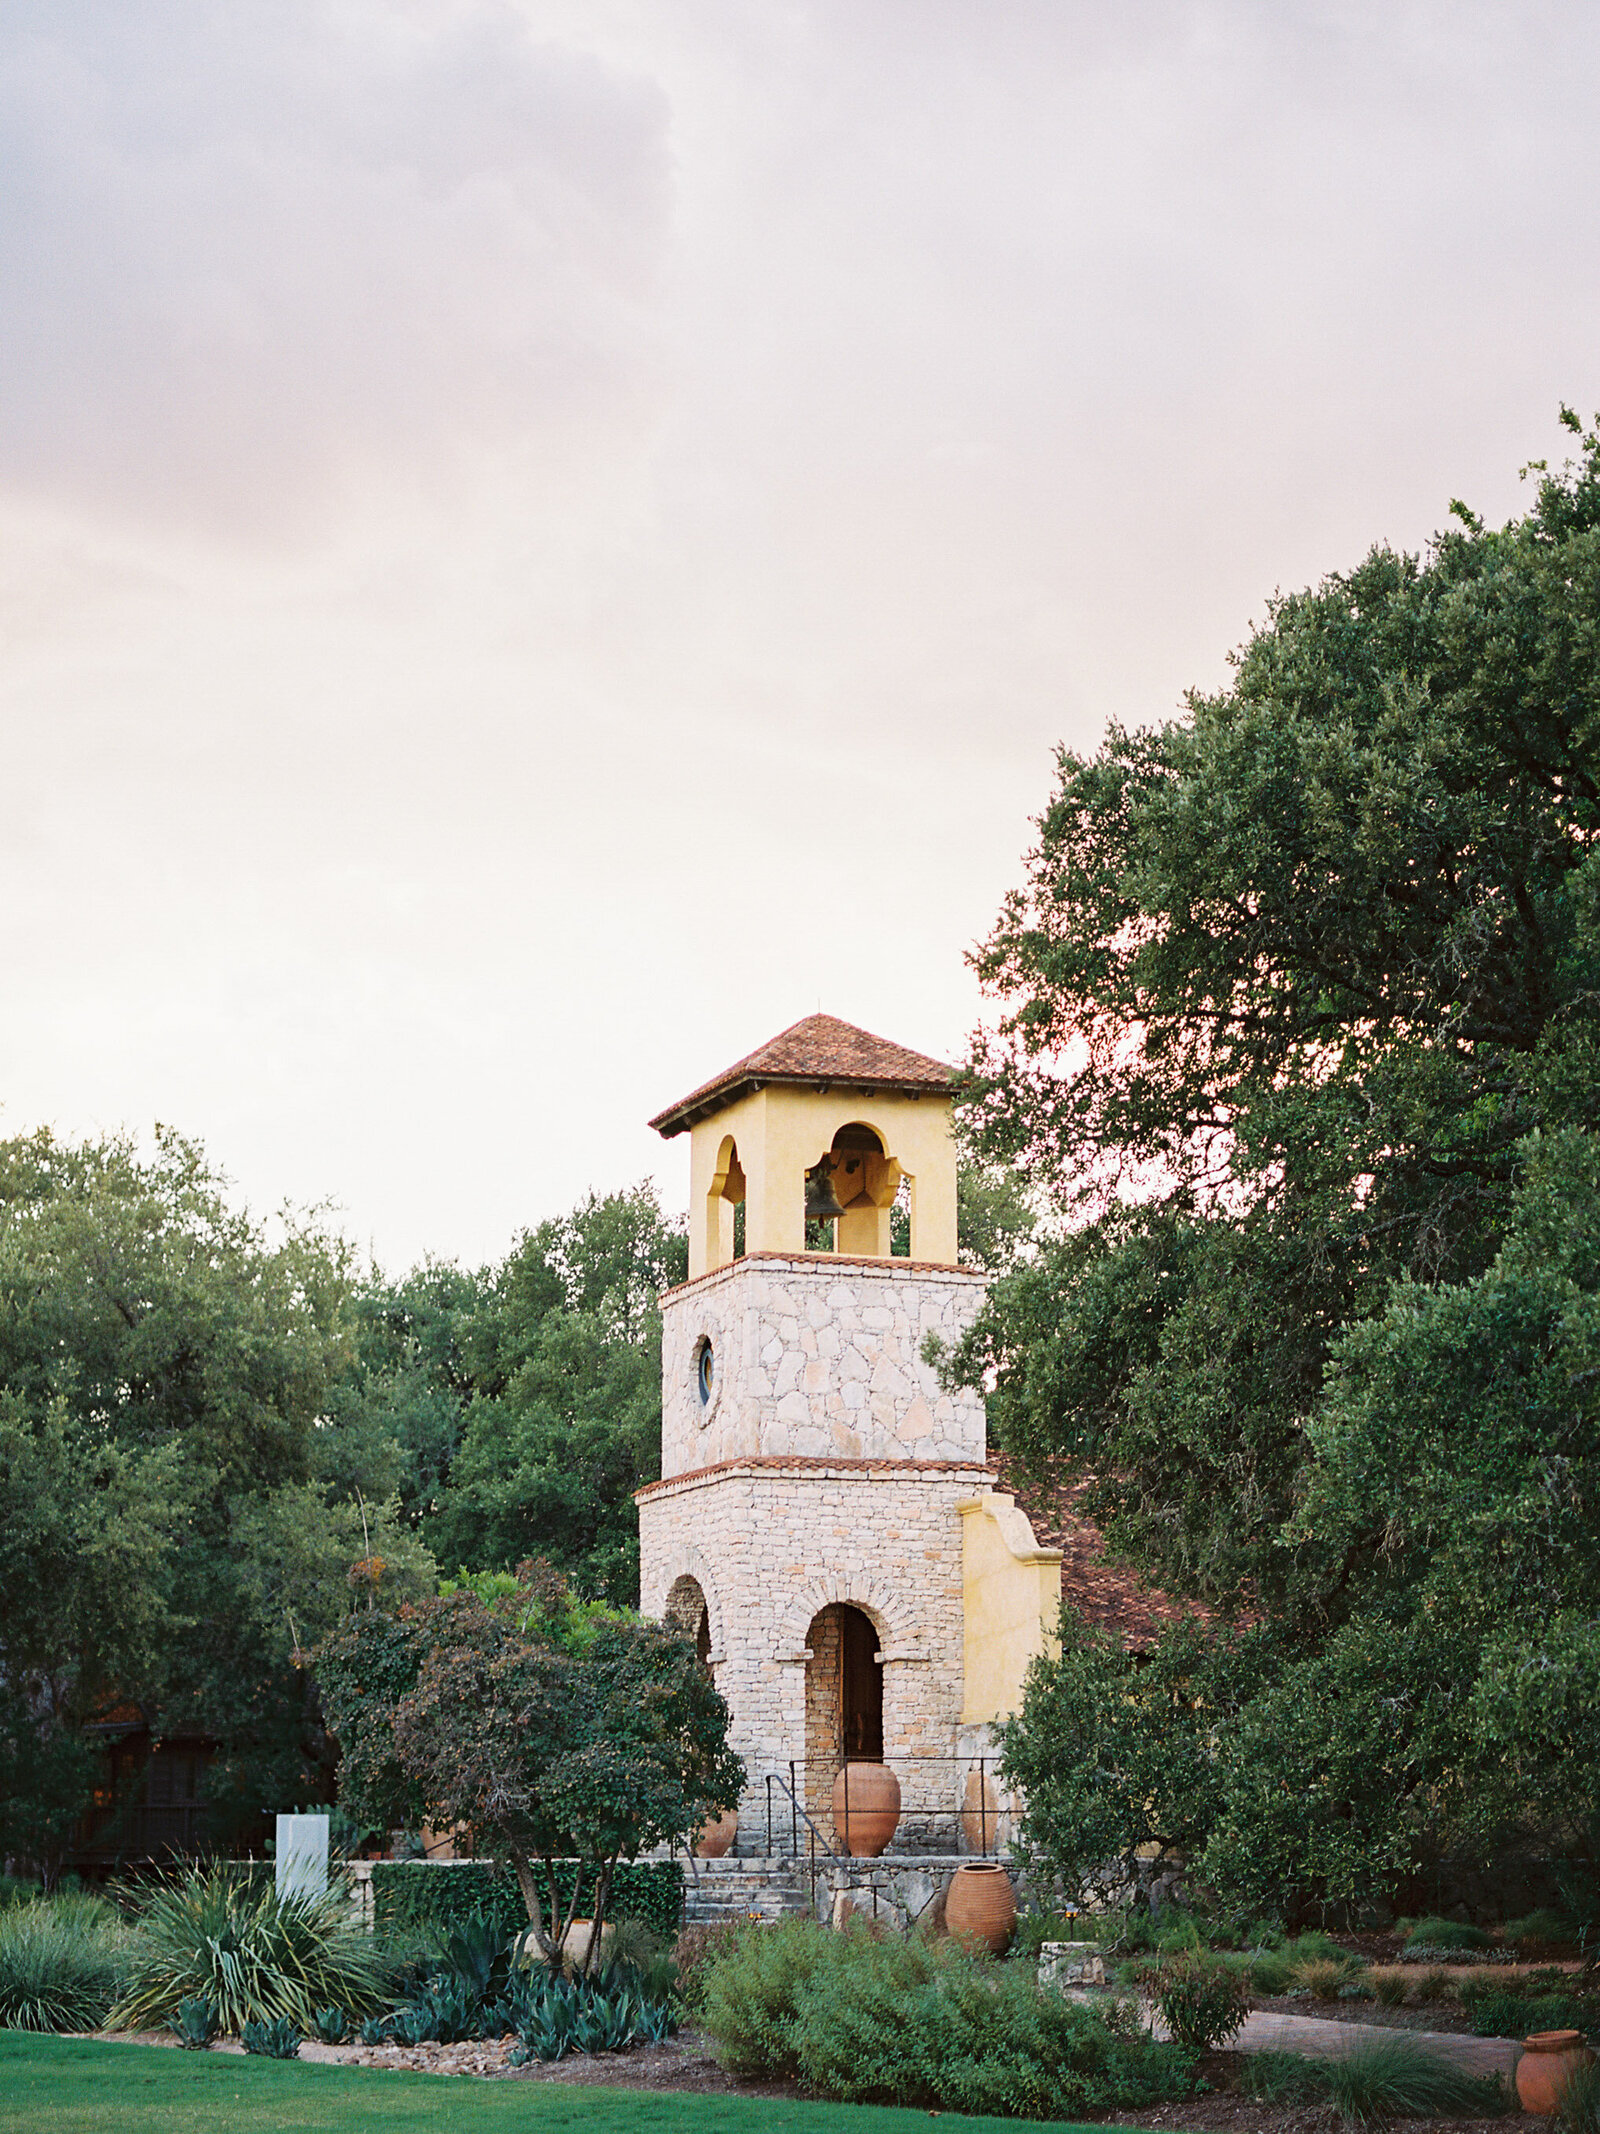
point(686, 1610)
point(850, 1193)
point(724, 1210)
point(844, 1701)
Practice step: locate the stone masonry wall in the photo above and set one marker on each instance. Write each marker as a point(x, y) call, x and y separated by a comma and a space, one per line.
point(770, 1542)
point(820, 1357)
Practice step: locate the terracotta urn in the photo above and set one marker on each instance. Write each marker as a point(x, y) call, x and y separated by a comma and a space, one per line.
point(866, 1808)
point(716, 1835)
point(1550, 2059)
point(980, 1814)
point(981, 1906)
point(575, 1944)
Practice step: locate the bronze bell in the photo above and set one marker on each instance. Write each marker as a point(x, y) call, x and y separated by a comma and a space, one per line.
point(822, 1203)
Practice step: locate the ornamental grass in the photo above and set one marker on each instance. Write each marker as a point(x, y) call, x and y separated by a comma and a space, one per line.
point(63, 1962)
point(255, 1957)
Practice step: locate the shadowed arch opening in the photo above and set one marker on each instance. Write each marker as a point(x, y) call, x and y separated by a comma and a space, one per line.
point(844, 1700)
point(687, 1610)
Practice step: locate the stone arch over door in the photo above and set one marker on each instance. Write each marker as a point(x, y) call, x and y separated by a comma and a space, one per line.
point(883, 1607)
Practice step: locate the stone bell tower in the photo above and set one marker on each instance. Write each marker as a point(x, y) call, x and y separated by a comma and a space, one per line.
point(816, 1477)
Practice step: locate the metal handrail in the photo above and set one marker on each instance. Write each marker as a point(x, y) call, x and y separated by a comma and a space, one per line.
point(980, 1811)
point(796, 1809)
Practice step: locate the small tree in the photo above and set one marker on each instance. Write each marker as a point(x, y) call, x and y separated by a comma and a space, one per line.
point(550, 1729)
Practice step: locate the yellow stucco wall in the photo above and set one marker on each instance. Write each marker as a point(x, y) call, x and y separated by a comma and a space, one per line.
point(1011, 1602)
point(779, 1133)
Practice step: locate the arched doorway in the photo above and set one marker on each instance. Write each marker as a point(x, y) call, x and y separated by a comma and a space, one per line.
point(686, 1610)
point(844, 1701)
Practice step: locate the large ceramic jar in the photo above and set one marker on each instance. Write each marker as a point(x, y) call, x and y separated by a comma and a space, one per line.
point(981, 1905)
point(980, 1814)
point(716, 1834)
point(866, 1808)
point(1550, 2059)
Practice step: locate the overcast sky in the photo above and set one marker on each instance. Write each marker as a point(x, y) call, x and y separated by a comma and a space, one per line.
point(540, 542)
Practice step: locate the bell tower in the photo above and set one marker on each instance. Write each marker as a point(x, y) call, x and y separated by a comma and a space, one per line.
point(825, 1122)
point(808, 1524)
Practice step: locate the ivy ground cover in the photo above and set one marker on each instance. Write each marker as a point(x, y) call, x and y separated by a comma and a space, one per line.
point(76, 2086)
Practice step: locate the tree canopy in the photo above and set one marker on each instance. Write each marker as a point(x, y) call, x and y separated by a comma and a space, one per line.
point(1300, 1028)
point(218, 1437)
point(549, 1729)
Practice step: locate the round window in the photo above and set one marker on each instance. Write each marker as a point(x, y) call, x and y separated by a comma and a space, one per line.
point(706, 1372)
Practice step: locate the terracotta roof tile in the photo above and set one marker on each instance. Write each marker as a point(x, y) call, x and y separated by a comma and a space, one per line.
point(819, 1048)
point(979, 1472)
point(1107, 1595)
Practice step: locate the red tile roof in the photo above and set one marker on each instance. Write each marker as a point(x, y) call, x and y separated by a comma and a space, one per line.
point(820, 1048)
point(1105, 1594)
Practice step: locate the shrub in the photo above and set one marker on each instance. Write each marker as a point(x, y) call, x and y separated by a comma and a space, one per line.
point(1179, 1938)
point(1271, 1972)
point(1578, 2106)
point(1274, 1971)
point(1506, 2014)
point(278, 2039)
point(193, 2023)
point(1444, 1934)
point(747, 1993)
point(1392, 2077)
point(257, 1958)
point(63, 1961)
point(1203, 2001)
point(1535, 1931)
point(862, 2019)
point(417, 1898)
point(691, 1953)
point(1034, 1929)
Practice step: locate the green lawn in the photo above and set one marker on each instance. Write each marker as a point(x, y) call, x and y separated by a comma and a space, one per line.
point(71, 2086)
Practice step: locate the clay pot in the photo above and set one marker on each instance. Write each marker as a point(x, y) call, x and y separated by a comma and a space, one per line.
point(873, 1812)
point(981, 1906)
point(980, 1814)
point(575, 1944)
point(1550, 2059)
point(717, 1833)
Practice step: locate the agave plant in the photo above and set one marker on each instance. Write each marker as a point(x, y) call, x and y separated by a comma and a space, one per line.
point(193, 2023)
point(277, 2040)
point(256, 1957)
point(333, 2026)
point(555, 2016)
point(477, 1952)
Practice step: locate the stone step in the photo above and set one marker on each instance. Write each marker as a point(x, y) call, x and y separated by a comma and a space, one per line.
point(730, 1890)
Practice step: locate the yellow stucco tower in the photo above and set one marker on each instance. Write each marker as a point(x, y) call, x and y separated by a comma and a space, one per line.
point(826, 1521)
